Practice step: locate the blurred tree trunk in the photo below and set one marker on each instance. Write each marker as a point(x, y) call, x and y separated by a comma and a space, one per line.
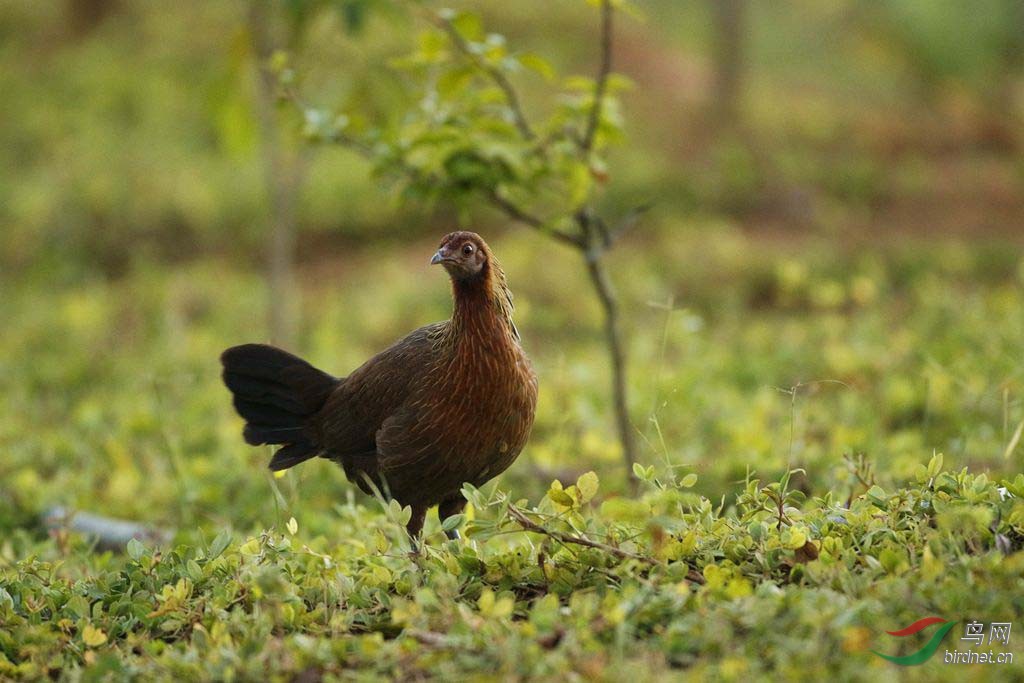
point(729, 32)
point(773, 193)
point(85, 15)
point(282, 176)
point(1008, 104)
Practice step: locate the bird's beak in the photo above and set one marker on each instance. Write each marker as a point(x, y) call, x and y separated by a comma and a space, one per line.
point(437, 258)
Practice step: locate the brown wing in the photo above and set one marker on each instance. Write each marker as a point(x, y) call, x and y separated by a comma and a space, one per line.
point(409, 464)
point(348, 423)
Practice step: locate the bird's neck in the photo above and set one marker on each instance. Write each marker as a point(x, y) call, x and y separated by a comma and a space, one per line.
point(483, 307)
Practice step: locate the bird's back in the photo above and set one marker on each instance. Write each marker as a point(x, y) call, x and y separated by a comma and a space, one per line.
point(348, 422)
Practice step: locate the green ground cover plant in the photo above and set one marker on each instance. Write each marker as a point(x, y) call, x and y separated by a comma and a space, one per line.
point(831, 450)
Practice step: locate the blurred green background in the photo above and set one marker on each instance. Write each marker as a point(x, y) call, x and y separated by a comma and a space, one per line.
point(832, 265)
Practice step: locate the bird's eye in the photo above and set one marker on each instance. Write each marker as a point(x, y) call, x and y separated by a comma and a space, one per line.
point(468, 249)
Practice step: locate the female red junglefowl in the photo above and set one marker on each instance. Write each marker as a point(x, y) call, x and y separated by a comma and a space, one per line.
point(451, 403)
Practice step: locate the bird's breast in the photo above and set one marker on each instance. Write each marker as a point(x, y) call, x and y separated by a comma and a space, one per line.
point(490, 403)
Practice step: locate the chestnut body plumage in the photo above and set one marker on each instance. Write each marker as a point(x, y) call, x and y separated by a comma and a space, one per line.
point(451, 403)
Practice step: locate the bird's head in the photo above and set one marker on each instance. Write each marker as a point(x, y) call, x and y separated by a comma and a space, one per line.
point(463, 254)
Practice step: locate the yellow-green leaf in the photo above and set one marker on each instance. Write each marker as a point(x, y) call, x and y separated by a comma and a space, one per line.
point(92, 636)
point(486, 601)
point(561, 497)
point(250, 547)
point(587, 486)
point(537, 64)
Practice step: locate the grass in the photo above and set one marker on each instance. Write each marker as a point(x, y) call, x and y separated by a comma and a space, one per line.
point(820, 379)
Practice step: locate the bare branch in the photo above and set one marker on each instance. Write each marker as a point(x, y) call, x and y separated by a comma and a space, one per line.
point(628, 222)
point(430, 638)
point(603, 231)
point(608, 236)
point(361, 148)
point(495, 74)
point(601, 85)
point(562, 537)
point(517, 214)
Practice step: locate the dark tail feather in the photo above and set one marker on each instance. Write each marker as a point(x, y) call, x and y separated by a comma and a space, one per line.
point(290, 455)
point(276, 393)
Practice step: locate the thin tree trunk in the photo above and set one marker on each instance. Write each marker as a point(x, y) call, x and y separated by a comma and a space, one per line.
point(728, 16)
point(281, 179)
point(283, 312)
point(592, 230)
point(617, 356)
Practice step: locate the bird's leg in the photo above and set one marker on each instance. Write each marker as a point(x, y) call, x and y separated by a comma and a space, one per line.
point(447, 508)
point(415, 526)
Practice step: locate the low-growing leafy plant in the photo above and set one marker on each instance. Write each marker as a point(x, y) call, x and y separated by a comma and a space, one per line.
point(669, 580)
